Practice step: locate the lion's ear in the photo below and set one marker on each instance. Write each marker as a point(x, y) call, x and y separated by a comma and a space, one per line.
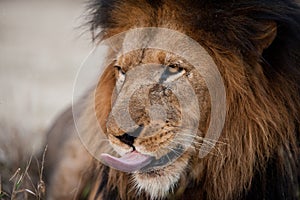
point(266, 36)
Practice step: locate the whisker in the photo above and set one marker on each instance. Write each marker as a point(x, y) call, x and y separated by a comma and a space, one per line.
point(206, 140)
point(216, 141)
point(178, 154)
point(208, 149)
point(188, 141)
point(177, 143)
point(174, 150)
point(203, 148)
point(208, 152)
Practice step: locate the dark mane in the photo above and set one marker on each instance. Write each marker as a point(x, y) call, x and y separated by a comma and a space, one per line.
point(265, 36)
point(221, 16)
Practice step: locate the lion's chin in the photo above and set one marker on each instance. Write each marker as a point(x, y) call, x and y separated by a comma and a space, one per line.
point(160, 181)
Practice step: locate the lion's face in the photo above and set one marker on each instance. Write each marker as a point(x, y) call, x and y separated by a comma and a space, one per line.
point(159, 142)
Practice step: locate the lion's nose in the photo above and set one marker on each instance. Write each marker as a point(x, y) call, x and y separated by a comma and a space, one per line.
point(128, 138)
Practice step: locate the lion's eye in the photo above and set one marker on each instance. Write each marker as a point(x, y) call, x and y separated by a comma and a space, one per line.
point(119, 70)
point(174, 68)
point(172, 72)
point(120, 75)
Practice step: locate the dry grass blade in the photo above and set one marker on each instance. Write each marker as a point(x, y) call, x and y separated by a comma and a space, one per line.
point(30, 192)
point(1, 193)
point(15, 174)
point(41, 188)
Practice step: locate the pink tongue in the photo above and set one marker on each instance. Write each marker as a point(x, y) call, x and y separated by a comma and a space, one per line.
point(130, 162)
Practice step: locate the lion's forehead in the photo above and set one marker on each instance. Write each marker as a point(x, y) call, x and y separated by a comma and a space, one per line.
point(131, 59)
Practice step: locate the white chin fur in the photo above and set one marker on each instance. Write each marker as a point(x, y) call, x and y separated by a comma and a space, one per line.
point(159, 184)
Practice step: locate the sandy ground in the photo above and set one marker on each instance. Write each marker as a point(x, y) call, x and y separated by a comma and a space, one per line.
point(41, 49)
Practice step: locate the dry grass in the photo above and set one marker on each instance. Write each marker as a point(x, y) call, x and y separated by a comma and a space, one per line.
point(26, 182)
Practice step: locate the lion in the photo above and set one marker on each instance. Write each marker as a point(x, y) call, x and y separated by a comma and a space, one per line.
point(255, 46)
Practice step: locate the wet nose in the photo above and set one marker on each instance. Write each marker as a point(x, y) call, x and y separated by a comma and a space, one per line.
point(128, 138)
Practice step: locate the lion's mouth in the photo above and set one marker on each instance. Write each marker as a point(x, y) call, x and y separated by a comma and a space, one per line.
point(136, 161)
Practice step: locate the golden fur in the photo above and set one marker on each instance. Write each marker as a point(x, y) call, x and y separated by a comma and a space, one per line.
point(257, 155)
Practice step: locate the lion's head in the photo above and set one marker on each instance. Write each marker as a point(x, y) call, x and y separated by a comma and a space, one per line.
point(163, 139)
point(156, 107)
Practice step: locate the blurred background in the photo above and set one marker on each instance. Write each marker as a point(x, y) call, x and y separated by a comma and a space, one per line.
point(42, 44)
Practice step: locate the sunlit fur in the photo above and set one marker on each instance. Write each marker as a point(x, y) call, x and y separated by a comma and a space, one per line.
point(256, 46)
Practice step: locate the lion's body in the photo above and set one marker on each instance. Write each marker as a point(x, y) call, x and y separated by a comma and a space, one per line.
point(256, 47)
